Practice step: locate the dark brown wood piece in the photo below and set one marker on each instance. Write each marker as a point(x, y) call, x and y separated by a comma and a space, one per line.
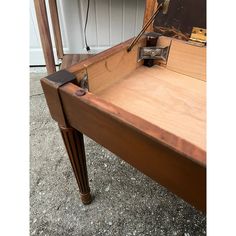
point(181, 17)
point(72, 138)
point(56, 28)
point(74, 143)
point(41, 13)
point(50, 87)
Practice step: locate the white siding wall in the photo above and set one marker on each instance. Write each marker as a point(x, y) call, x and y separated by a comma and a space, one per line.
point(110, 22)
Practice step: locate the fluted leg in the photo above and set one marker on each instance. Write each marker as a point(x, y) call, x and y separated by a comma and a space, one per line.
point(74, 143)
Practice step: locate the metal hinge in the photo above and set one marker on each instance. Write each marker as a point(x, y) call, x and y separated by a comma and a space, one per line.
point(198, 36)
point(83, 83)
point(155, 53)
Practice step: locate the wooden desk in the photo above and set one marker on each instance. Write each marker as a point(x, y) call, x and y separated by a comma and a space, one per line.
point(153, 118)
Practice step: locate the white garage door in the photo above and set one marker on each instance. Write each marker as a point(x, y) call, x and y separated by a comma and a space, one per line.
point(110, 22)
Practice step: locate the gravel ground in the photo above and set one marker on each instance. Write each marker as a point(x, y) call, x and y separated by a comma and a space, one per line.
point(125, 201)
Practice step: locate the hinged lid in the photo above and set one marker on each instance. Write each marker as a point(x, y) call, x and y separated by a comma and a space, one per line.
point(180, 19)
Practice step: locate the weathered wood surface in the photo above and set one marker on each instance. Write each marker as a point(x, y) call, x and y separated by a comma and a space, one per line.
point(181, 17)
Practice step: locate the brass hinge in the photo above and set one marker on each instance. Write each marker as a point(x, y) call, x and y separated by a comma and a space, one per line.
point(198, 35)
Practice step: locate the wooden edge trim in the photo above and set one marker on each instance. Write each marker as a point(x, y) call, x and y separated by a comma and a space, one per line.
point(100, 56)
point(166, 138)
point(50, 85)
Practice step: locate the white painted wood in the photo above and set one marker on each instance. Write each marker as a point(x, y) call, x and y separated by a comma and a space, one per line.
point(110, 22)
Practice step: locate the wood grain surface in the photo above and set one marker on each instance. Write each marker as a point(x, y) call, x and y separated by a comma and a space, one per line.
point(169, 100)
point(72, 59)
point(41, 13)
point(181, 17)
point(74, 144)
point(187, 59)
point(56, 28)
point(105, 72)
point(184, 58)
point(140, 143)
point(106, 54)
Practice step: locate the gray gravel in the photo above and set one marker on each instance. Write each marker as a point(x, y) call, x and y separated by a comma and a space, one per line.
point(125, 201)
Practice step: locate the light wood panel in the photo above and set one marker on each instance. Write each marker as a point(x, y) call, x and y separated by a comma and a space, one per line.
point(171, 101)
point(113, 68)
point(72, 59)
point(185, 58)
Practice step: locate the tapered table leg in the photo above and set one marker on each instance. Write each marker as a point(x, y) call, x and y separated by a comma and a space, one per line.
point(74, 143)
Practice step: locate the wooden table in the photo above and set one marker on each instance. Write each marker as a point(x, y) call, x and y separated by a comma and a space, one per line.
point(153, 118)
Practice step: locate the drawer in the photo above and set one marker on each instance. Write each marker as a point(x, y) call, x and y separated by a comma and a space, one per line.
point(152, 117)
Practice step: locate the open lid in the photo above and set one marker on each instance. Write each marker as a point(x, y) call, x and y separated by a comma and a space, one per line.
point(181, 17)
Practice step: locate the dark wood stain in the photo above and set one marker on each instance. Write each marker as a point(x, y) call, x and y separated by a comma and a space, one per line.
point(181, 17)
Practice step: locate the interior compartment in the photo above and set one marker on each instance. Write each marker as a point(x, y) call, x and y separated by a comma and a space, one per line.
point(170, 96)
point(167, 99)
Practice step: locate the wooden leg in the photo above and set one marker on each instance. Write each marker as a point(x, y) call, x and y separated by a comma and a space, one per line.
point(74, 143)
point(41, 13)
point(56, 28)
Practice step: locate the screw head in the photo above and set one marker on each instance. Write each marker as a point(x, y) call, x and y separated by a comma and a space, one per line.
point(80, 92)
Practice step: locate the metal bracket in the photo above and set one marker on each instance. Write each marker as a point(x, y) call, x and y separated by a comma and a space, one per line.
point(61, 77)
point(155, 53)
point(84, 83)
